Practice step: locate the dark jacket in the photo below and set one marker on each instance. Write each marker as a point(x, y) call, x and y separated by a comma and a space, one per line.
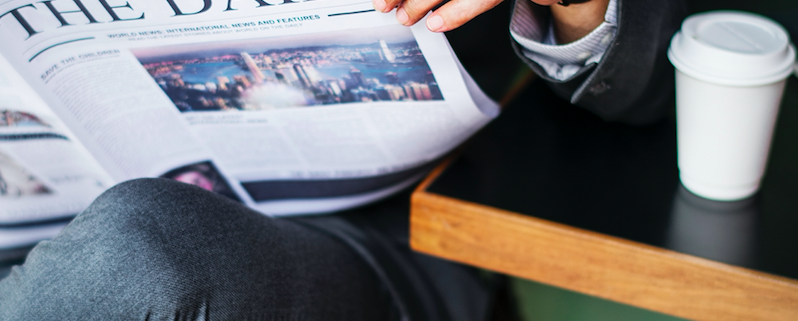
point(633, 83)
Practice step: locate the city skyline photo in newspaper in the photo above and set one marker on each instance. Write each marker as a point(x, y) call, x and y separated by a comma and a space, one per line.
point(378, 64)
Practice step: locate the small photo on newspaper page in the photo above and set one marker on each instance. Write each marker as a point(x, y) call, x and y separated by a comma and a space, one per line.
point(308, 70)
point(205, 176)
point(17, 182)
point(15, 118)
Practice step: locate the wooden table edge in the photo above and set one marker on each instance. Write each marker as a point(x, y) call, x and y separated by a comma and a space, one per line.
point(593, 263)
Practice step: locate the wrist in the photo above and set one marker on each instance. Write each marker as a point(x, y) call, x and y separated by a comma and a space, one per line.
point(576, 20)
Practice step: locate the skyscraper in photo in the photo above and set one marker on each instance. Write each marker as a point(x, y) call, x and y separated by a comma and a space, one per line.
point(280, 77)
point(387, 52)
point(222, 81)
point(420, 91)
point(302, 76)
point(257, 75)
point(357, 77)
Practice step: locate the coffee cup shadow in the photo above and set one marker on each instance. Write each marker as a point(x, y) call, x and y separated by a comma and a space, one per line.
point(717, 230)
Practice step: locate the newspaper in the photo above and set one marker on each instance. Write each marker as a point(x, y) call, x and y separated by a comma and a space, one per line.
point(291, 107)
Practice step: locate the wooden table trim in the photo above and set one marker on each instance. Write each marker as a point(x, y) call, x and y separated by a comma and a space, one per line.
point(595, 264)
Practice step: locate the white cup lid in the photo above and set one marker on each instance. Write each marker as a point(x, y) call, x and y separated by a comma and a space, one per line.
point(732, 48)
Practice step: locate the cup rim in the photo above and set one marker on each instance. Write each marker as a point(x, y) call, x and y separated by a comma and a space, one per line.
point(780, 75)
point(777, 64)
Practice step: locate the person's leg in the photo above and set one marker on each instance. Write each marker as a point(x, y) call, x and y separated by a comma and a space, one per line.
point(156, 249)
point(424, 287)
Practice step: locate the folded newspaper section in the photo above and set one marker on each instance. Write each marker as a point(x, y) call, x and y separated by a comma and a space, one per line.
point(290, 107)
point(45, 174)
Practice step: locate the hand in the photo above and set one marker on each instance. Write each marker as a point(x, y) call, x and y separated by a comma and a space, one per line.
point(449, 16)
point(570, 23)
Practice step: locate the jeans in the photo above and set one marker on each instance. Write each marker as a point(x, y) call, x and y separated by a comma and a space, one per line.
point(156, 249)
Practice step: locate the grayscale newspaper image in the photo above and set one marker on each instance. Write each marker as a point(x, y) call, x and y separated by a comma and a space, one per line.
point(289, 107)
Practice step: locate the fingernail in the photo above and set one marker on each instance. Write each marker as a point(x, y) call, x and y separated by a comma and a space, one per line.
point(401, 16)
point(379, 5)
point(434, 23)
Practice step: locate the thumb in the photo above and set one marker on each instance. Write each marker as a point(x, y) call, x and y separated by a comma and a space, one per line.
point(455, 13)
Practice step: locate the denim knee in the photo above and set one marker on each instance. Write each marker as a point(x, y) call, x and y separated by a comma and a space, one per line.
point(154, 203)
point(147, 217)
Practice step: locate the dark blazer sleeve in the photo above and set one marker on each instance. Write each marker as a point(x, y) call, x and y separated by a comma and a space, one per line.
point(633, 83)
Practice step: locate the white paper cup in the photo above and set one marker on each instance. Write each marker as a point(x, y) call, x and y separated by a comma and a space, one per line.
point(731, 68)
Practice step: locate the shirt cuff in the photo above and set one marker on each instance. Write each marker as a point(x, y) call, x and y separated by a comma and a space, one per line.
point(531, 28)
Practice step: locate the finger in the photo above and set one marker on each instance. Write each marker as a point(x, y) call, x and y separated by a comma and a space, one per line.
point(411, 11)
point(457, 12)
point(545, 2)
point(385, 5)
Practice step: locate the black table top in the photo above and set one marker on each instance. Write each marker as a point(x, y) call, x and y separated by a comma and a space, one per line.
point(546, 158)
